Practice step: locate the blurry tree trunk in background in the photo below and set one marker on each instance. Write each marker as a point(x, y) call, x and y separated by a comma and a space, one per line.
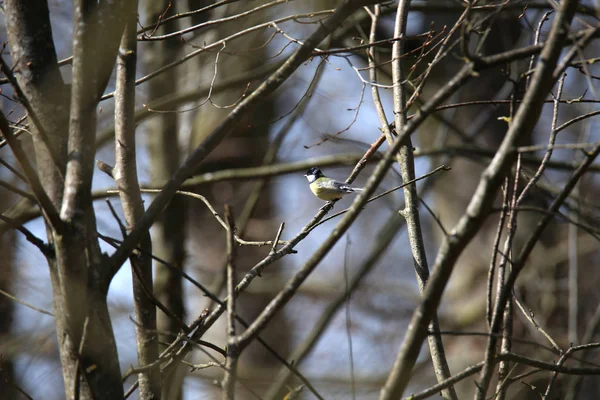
point(244, 147)
point(162, 133)
point(7, 269)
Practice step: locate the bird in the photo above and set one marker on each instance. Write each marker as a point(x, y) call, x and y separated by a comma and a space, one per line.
point(326, 188)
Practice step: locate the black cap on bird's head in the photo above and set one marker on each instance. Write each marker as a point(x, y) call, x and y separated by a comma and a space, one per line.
point(315, 172)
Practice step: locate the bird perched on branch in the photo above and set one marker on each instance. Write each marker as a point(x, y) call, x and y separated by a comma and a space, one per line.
point(326, 188)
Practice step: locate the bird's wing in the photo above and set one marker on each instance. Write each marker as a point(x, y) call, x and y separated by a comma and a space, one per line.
point(341, 186)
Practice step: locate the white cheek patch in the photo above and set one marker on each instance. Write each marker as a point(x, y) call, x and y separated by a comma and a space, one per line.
point(311, 178)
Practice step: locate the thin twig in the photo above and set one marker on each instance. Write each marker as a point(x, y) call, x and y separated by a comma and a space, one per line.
point(232, 342)
point(530, 317)
point(349, 316)
point(217, 217)
point(507, 328)
point(26, 304)
point(495, 251)
point(277, 237)
point(77, 369)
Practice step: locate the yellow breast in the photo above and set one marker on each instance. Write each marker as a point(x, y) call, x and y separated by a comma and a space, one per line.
point(325, 193)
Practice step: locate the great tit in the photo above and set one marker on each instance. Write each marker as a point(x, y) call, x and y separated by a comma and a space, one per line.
point(326, 188)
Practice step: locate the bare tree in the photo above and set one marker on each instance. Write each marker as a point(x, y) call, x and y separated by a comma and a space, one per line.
point(483, 109)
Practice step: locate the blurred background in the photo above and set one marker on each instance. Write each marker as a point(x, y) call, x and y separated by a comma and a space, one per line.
point(363, 293)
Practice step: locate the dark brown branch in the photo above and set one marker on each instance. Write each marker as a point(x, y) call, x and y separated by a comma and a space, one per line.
point(37, 242)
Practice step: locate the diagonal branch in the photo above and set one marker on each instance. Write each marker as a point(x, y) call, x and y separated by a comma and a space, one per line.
point(42, 198)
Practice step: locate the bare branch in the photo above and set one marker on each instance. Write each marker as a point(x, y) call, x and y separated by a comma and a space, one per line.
point(232, 341)
point(125, 175)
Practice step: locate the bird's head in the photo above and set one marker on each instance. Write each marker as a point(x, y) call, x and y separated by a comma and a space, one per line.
point(313, 174)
